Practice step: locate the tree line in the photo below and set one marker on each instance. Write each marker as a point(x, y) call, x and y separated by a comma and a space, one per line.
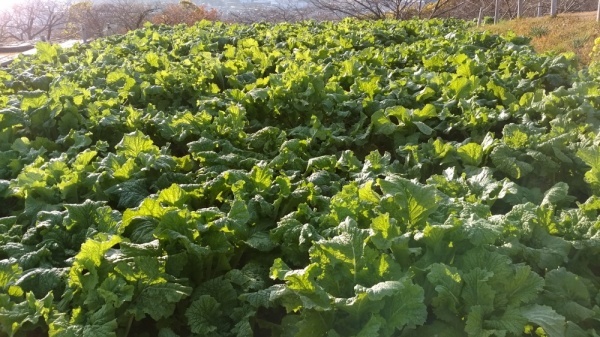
point(61, 19)
point(64, 19)
point(293, 10)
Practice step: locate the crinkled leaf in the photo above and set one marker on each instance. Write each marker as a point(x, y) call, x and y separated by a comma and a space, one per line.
point(524, 286)
point(511, 321)
point(415, 201)
point(167, 294)
point(101, 323)
point(471, 154)
point(83, 215)
point(203, 315)
point(448, 285)
point(481, 231)
point(477, 290)
point(506, 160)
point(173, 196)
point(130, 193)
point(135, 143)
point(474, 326)
point(557, 193)
point(569, 294)
point(544, 316)
point(16, 315)
point(42, 281)
point(261, 241)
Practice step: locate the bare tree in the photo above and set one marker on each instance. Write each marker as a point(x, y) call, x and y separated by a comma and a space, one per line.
point(381, 9)
point(95, 19)
point(130, 14)
point(54, 16)
point(87, 18)
point(576, 6)
point(366, 8)
point(282, 11)
point(4, 20)
point(32, 19)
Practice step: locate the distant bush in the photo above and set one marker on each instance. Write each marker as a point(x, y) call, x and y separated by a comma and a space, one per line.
point(184, 13)
point(488, 20)
point(538, 31)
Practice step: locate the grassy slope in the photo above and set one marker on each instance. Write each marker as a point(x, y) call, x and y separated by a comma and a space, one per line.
point(573, 32)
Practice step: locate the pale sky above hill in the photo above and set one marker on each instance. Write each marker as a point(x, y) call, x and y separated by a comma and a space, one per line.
point(6, 4)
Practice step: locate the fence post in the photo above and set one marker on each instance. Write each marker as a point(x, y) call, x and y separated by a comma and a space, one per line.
point(539, 8)
point(480, 16)
point(519, 7)
point(84, 36)
point(496, 12)
point(553, 5)
point(598, 12)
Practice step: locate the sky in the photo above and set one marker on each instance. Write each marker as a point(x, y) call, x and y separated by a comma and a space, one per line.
point(6, 4)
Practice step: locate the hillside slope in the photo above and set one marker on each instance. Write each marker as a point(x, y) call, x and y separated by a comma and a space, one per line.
point(573, 32)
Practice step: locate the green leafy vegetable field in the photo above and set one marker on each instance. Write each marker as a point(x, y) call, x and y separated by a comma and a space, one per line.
point(343, 179)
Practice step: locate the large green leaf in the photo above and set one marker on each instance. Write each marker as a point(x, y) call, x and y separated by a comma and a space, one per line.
point(507, 161)
point(135, 143)
point(591, 156)
point(471, 154)
point(414, 202)
point(544, 316)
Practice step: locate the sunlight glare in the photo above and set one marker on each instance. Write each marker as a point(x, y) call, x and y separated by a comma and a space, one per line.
point(5, 5)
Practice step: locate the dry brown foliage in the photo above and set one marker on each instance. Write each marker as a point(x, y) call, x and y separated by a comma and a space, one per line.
point(184, 13)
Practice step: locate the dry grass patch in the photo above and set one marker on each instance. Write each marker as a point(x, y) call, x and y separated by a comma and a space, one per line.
point(574, 32)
